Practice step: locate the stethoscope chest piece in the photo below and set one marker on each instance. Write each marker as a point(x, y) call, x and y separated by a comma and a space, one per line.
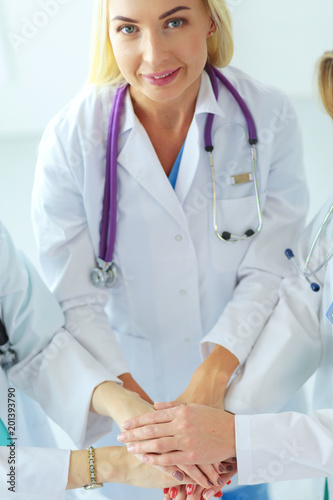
point(104, 275)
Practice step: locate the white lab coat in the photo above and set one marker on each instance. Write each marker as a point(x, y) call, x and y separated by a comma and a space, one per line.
point(51, 367)
point(285, 446)
point(179, 285)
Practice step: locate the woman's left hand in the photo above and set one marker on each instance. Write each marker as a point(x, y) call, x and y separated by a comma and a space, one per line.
point(187, 434)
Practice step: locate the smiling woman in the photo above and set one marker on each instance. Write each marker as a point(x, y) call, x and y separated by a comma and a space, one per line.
point(104, 68)
point(154, 96)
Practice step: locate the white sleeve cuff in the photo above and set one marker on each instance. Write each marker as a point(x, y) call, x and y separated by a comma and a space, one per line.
point(243, 450)
point(37, 473)
point(62, 379)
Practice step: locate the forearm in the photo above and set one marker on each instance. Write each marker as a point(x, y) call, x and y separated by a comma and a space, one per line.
point(209, 382)
point(110, 466)
point(114, 465)
point(111, 399)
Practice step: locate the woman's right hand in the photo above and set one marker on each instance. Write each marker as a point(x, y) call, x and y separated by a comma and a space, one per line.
point(190, 434)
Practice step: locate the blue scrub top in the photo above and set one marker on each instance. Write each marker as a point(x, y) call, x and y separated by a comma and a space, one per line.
point(4, 435)
point(174, 172)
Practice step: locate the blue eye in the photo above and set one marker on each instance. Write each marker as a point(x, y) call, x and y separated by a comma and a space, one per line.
point(128, 30)
point(175, 23)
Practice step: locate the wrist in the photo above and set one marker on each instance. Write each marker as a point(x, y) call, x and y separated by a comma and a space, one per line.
point(78, 472)
point(102, 396)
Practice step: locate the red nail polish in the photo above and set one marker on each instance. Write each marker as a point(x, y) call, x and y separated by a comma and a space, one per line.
point(189, 489)
point(229, 482)
point(165, 491)
point(173, 492)
point(218, 494)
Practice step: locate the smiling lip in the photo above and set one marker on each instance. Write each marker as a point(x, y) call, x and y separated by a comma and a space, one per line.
point(163, 78)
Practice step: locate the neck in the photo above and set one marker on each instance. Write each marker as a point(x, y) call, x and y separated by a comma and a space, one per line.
point(170, 115)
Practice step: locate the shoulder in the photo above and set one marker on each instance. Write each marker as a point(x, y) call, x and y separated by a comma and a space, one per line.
point(86, 115)
point(265, 101)
point(249, 87)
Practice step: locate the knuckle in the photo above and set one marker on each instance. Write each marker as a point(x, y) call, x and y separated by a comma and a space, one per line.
point(193, 456)
point(158, 447)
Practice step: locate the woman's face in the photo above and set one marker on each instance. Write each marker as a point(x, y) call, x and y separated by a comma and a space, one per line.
point(160, 45)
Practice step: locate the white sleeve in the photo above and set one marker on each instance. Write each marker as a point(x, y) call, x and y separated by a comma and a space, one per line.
point(52, 365)
point(62, 378)
point(284, 356)
point(284, 446)
point(66, 250)
point(36, 474)
point(289, 348)
point(260, 273)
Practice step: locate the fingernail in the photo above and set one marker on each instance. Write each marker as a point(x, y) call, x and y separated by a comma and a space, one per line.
point(130, 448)
point(165, 491)
point(126, 426)
point(121, 437)
point(178, 475)
point(189, 489)
point(173, 492)
point(208, 495)
point(219, 481)
point(210, 482)
point(221, 468)
point(218, 494)
point(230, 468)
point(229, 482)
point(144, 459)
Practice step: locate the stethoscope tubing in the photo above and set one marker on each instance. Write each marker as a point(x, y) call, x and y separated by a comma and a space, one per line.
point(109, 216)
point(305, 273)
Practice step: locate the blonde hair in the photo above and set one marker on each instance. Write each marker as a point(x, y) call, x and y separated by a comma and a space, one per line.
point(325, 81)
point(103, 67)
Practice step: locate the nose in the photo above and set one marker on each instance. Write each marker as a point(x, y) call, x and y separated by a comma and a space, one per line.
point(154, 49)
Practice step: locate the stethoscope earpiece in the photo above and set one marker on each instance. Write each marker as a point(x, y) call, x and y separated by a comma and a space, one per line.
point(290, 256)
point(315, 287)
point(226, 236)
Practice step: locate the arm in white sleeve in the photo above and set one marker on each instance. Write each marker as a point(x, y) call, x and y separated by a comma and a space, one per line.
point(289, 348)
point(52, 365)
point(284, 446)
point(264, 265)
point(65, 246)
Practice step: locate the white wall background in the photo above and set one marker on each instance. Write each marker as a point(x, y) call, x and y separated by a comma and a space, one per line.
point(44, 56)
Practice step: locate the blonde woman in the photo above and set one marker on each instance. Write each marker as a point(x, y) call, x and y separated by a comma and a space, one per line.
point(271, 447)
point(180, 273)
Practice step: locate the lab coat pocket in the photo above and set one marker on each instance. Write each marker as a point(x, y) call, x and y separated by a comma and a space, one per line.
point(235, 216)
point(139, 354)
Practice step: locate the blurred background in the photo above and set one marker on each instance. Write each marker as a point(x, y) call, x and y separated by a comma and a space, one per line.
point(44, 58)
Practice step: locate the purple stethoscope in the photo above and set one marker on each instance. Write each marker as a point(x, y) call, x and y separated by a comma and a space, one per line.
point(106, 272)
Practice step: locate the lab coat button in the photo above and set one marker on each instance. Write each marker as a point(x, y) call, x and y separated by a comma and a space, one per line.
point(183, 292)
point(178, 237)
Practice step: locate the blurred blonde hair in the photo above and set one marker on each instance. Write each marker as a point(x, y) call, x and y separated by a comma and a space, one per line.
point(103, 67)
point(325, 81)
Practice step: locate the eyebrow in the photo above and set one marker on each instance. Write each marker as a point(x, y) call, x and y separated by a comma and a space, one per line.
point(173, 11)
point(163, 16)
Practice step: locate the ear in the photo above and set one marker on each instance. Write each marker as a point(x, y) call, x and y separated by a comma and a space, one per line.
point(212, 28)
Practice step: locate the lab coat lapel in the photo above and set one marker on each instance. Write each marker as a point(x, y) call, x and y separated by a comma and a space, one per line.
point(139, 158)
point(194, 145)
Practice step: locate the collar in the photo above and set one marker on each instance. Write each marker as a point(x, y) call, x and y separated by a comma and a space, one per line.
point(206, 103)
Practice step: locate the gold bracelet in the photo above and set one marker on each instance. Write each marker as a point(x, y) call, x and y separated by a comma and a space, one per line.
point(91, 459)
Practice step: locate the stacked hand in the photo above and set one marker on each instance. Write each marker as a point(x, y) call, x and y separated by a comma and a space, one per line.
point(195, 429)
point(183, 435)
